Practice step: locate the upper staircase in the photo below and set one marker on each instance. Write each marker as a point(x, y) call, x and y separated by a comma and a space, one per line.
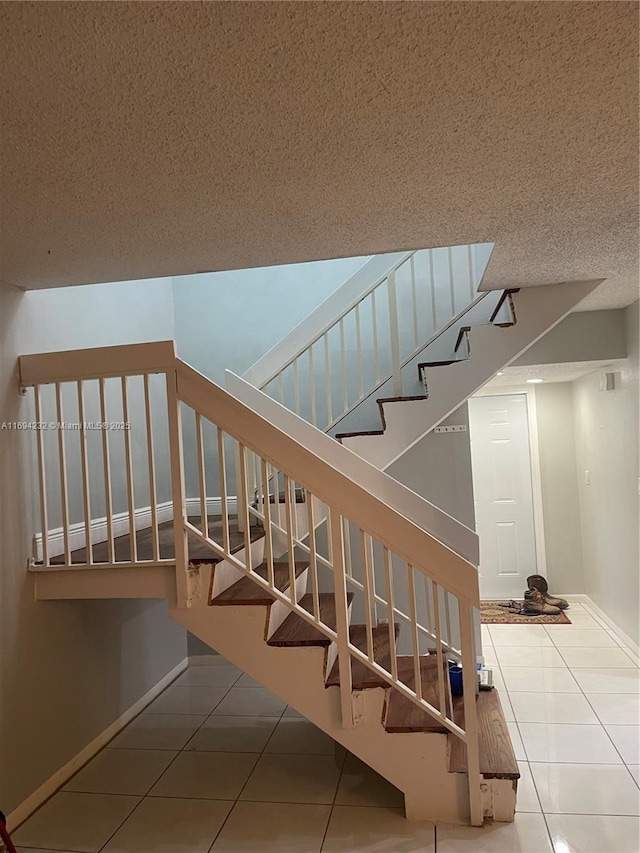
point(303, 563)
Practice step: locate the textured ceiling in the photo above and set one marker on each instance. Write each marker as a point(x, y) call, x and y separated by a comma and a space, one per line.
point(151, 139)
point(568, 371)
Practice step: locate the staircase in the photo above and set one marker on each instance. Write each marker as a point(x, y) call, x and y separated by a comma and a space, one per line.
point(340, 590)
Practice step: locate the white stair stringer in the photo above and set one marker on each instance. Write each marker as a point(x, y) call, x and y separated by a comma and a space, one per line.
point(537, 310)
point(416, 762)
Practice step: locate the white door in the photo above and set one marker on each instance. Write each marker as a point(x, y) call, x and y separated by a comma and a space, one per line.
point(503, 495)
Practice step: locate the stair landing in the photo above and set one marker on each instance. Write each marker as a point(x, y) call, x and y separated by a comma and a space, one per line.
point(198, 552)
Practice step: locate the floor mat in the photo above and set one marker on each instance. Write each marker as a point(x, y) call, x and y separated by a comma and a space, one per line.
point(492, 614)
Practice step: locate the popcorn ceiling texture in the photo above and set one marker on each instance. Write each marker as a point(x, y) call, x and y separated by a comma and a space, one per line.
point(154, 139)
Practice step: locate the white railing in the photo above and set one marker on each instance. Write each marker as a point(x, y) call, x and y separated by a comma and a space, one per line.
point(363, 334)
point(363, 534)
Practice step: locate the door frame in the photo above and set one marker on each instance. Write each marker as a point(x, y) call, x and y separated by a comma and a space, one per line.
point(534, 459)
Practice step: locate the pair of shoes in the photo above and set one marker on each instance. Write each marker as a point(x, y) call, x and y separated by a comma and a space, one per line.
point(530, 607)
point(535, 604)
point(538, 584)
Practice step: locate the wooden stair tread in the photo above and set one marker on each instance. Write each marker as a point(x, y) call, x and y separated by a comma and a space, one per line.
point(403, 715)
point(245, 591)
point(198, 552)
point(296, 631)
point(361, 676)
point(299, 494)
point(497, 758)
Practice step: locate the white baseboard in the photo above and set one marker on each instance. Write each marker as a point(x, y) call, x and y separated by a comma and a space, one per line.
point(48, 788)
point(625, 639)
point(142, 519)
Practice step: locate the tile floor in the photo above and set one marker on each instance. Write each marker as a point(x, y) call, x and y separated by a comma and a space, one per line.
point(217, 763)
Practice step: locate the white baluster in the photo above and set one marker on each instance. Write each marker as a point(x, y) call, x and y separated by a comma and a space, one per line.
point(43, 480)
point(85, 474)
point(153, 497)
point(395, 335)
point(62, 458)
point(202, 478)
point(415, 637)
point(129, 468)
point(224, 508)
point(108, 499)
point(342, 617)
point(388, 572)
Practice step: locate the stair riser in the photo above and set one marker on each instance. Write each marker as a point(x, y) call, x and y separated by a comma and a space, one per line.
point(279, 611)
point(225, 575)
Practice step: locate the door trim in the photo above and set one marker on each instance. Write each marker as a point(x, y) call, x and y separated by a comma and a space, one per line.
point(534, 459)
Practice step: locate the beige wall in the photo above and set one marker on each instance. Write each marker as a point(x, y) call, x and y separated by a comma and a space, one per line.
point(607, 447)
point(559, 483)
point(67, 669)
point(438, 468)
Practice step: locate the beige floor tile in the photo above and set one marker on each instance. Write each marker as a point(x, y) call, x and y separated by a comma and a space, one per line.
point(158, 731)
point(247, 681)
point(594, 833)
point(122, 771)
point(529, 656)
point(527, 834)
point(273, 828)
point(40, 850)
point(573, 744)
point(552, 708)
point(191, 699)
point(581, 658)
point(170, 826)
point(298, 736)
point(583, 638)
point(250, 702)
point(293, 779)
point(586, 789)
point(601, 680)
point(209, 676)
point(206, 775)
point(519, 635)
point(627, 742)
point(527, 798)
point(71, 821)
point(354, 829)
point(516, 742)
point(634, 769)
point(616, 709)
point(233, 734)
point(361, 786)
point(543, 680)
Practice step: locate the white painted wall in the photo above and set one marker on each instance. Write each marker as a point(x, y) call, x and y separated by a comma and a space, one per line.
point(559, 482)
point(67, 669)
point(227, 320)
point(607, 447)
point(94, 316)
point(438, 468)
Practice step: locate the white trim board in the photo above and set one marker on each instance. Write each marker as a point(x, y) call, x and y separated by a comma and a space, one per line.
point(61, 776)
point(142, 519)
